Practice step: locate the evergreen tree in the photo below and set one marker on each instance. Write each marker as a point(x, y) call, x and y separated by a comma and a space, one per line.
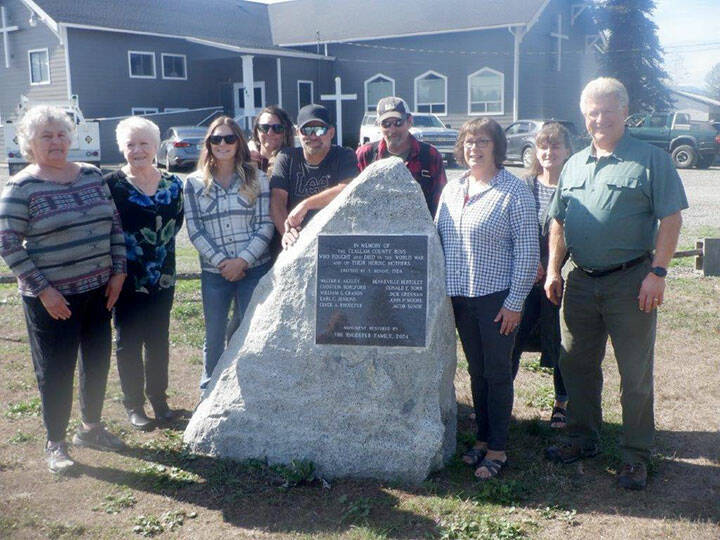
point(633, 54)
point(712, 79)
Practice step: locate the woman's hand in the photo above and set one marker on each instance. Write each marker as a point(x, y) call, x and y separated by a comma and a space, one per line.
point(508, 319)
point(233, 269)
point(113, 288)
point(55, 303)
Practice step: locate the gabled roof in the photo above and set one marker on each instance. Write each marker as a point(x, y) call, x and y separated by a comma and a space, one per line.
point(303, 22)
point(232, 22)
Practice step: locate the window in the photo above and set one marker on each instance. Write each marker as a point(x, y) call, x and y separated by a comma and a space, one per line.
point(174, 66)
point(144, 110)
point(486, 91)
point(431, 93)
point(377, 87)
point(141, 64)
point(305, 93)
point(39, 66)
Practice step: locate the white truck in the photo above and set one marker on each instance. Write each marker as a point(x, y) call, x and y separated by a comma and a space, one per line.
point(85, 145)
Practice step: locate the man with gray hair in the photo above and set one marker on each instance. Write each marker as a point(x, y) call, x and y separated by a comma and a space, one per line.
point(617, 213)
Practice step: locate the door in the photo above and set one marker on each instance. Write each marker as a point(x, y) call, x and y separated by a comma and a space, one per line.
point(656, 130)
point(247, 116)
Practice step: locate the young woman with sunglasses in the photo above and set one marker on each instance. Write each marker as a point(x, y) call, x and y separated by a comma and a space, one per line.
point(227, 213)
point(272, 131)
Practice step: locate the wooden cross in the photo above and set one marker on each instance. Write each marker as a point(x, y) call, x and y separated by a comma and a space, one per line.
point(5, 30)
point(338, 98)
point(559, 36)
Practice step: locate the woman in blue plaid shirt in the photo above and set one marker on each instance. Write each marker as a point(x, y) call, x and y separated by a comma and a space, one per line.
point(488, 227)
point(227, 210)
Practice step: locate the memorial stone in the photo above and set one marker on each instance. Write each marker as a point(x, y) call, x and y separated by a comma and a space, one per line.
point(346, 355)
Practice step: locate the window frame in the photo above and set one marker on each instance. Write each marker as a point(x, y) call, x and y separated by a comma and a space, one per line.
point(162, 66)
point(30, 71)
point(148, 110)
point(502, 93)
point(146, 53)
point(312, 92)
point(365, 90)
point(415, 91)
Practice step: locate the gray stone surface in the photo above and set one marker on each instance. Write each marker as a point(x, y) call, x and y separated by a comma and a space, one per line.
point(360, 411)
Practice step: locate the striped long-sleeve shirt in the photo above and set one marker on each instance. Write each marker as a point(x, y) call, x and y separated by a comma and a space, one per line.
point(67, 236)
point(222, 224)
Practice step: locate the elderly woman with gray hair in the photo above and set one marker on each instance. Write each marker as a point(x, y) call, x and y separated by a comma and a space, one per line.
point(61, 235)
point(151, 208)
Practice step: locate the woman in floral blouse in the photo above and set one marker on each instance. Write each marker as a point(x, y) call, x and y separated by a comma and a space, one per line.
point(151, 209)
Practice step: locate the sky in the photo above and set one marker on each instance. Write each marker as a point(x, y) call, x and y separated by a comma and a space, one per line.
point(689, 31)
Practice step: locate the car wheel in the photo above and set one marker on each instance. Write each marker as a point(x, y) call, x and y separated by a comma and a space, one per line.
point(684, 156)
point(527, 156)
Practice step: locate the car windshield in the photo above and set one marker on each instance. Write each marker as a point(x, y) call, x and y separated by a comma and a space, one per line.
point(426, 121)
point(194, 133)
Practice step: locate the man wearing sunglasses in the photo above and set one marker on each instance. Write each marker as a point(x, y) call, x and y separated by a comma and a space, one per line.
point(422, 160)
point(306, 179)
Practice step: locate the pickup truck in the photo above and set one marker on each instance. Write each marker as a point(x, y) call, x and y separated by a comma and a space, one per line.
point(689, 143)
point(85, 144)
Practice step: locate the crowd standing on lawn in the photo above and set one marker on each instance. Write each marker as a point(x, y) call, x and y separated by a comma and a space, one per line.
point(603, 212)
point(150, 204)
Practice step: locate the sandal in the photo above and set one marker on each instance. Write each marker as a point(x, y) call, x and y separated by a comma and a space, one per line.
point(493, 466)
point(472, 457)
point(558, 418)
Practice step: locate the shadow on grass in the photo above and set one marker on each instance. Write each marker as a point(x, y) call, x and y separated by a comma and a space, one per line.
point(252, 494)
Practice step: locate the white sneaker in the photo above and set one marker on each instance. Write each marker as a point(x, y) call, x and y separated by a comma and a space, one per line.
point(57, 457)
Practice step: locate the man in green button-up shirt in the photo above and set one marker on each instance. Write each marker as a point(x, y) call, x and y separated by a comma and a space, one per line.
point(617, 213)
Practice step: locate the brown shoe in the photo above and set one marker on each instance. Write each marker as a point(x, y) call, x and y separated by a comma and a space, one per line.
point(569, 453)
point(633, 476)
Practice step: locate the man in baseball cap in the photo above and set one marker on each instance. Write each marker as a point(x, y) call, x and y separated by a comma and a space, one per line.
point(422, 160)
point(306, 179)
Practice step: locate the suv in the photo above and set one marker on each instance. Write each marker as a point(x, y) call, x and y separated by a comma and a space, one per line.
point(521, 139)
point(426, 128)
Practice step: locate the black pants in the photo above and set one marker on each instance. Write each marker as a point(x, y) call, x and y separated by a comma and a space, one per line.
point(54, 347)
point(488, 356)
point(143, 320)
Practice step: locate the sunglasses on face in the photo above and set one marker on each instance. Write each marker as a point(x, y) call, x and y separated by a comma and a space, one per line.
point(217, 139)
point(397, 122)
point(318, 131)
point(276, 128)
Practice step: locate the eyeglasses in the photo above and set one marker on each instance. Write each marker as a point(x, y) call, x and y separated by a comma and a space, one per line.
point(276, 128)
point(480, 143)
point(397, 122)
point(217, 139)
point(318, 131)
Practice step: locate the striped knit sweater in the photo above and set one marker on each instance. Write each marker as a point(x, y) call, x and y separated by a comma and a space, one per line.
point(67, 236)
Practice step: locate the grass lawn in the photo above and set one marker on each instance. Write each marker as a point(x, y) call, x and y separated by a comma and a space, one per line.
point(156, 488)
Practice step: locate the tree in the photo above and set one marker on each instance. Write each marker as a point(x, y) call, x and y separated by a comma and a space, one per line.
point(712, 79)
point(633, 54)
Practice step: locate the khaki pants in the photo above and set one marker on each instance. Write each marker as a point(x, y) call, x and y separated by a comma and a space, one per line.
point(592, 309)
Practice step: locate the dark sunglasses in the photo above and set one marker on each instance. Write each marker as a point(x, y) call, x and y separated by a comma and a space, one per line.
point(276, 128)
point(397, 122)
point(318, 131)
point(217, 139)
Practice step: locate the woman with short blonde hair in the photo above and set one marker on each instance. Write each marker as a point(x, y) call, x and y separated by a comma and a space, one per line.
point(227, 204)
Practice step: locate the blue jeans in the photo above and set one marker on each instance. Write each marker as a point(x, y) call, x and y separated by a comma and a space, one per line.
point(217, 296)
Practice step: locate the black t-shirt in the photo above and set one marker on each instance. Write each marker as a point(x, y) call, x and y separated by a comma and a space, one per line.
point(293, 174)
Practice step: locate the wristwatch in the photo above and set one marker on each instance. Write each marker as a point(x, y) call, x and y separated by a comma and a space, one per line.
point(659, 271)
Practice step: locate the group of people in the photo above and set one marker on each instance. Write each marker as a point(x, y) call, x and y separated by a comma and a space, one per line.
point(85, 247)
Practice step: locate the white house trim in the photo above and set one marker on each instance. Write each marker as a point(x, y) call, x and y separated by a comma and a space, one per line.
point(415, 93)
point(44, 17)
point(144, 110)
point(66, 55)
point(162, 66)
point(130, 73)
point(47, 54)
point(502, 93)
point(278, 66)
point(536, 17)
point(365, 88)
point(312, 91)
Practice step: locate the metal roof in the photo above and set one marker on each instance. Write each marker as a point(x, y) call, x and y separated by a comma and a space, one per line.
point(309, 21)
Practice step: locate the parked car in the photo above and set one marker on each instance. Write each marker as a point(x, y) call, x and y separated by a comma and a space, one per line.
point(689, 143)
point(180, 146)
point(521, 139)
point(426, 127)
